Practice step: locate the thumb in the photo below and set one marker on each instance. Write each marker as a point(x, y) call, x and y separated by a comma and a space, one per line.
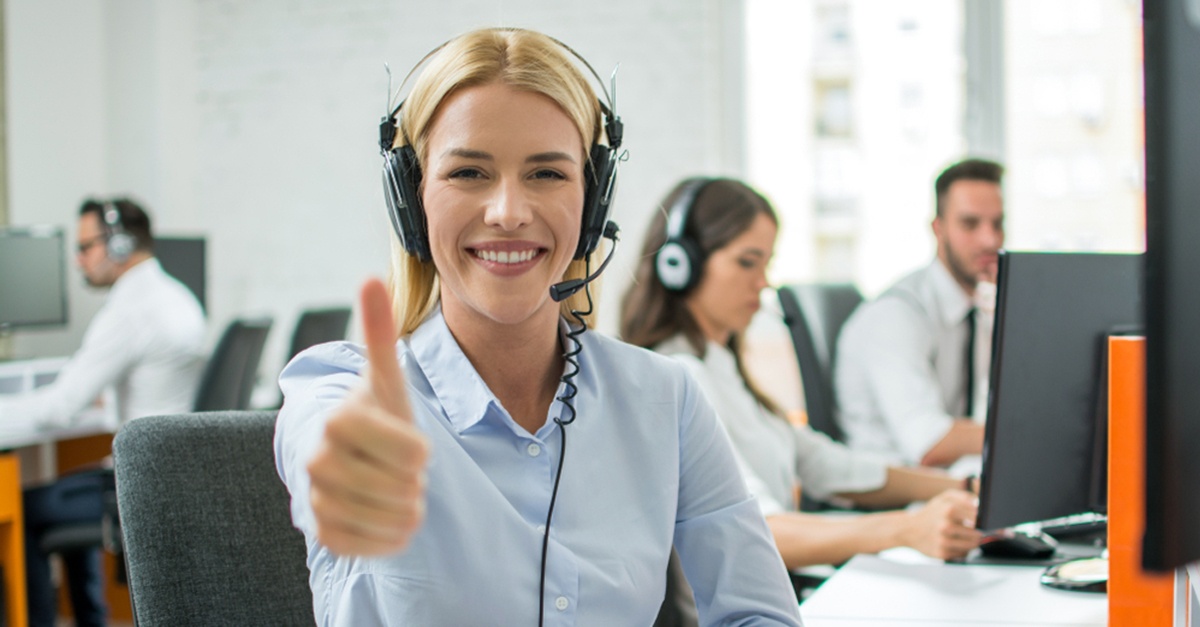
point(384, 377)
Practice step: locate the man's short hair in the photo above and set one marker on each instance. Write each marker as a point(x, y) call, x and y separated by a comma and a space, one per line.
point(134, 220)
point(966, 170)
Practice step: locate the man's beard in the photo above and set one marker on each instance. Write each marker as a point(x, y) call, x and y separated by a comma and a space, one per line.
point(958, 268)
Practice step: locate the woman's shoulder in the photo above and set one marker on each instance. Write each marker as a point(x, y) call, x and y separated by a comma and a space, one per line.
point(324, 359)
point(621, 359)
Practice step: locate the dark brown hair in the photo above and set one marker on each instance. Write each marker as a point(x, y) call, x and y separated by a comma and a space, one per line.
point(722, 210)
point(966, 170)
point(134, 220)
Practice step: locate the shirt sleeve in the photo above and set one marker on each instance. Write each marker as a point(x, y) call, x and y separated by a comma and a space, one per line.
point(722, 539)
point(889, 345)
point(111, 345)
point(827, 468)
point(767, 502)
point(312, 389)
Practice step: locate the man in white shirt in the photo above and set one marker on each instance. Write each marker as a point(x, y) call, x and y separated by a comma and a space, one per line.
point(147, 342)
point(911, 368)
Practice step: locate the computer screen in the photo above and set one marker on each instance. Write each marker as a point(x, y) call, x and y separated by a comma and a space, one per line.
point(184, 258)
point(33, 288)
point(1171, 41)
point(1054, 312)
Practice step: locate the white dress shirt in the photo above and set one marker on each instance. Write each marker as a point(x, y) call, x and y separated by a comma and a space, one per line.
point(147, 341)
point(900, 373)
point(774, 454)
point(645, 464)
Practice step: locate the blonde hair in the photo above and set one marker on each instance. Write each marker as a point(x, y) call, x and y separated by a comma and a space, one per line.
point(519, 58)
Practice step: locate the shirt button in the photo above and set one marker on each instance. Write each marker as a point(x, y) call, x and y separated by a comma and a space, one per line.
point(534, 450)
point(561, 603)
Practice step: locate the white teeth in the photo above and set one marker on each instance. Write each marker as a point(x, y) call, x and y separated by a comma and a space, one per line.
point(505, 256)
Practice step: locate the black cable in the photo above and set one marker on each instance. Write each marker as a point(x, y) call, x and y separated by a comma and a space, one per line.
point(571, 356)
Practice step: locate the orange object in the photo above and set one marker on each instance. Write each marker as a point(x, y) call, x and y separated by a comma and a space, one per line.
point(1135, 598)
point(72, 454)
point(12, 540)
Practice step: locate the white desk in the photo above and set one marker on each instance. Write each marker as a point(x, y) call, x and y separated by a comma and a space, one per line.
point(22, 376)
point(902, 587)
point(17, 377)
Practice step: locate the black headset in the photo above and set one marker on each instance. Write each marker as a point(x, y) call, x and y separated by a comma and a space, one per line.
point(118, 244)
point(402, 178)
point(679, 261)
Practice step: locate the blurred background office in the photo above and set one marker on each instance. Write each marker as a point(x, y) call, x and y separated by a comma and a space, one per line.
point(253, 125)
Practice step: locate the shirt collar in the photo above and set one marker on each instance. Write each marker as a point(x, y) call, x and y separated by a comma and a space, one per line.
point(952, 300)
point(718, 357)
point(139, 273)
point(463, 394)
point(460, 390)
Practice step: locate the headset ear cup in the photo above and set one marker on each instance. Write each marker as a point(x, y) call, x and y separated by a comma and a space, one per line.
point(119, 247)
point(678, 265)
point(679, 262)
point(601, 177)
point(401, 185)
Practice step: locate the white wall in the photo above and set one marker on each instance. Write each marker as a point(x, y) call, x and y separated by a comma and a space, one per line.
point(57, 132)
point(255, 124)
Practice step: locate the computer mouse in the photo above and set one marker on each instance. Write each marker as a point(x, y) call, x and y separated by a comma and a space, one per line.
point(1019, 545)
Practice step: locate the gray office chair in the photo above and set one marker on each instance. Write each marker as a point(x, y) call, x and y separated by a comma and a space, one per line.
point(814, 314)
point(207, 527)
point(227, 383)
point(228, 379)
point(317, 326)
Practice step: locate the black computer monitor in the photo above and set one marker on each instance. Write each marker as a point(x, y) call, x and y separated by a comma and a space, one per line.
point(1171, 40)
point(33, 287)
point(184, 258)
point(1054, 312)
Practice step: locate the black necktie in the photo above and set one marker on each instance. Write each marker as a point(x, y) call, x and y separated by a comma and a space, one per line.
point(970, 361)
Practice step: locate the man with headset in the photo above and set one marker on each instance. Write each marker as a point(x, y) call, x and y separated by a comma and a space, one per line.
point(911, 370)
point(147, 343)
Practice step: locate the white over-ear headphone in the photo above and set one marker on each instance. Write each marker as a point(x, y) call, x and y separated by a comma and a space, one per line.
point(118, 245)
point(679, 261)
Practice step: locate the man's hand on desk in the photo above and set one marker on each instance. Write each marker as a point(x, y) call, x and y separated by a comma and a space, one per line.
point(944, 527)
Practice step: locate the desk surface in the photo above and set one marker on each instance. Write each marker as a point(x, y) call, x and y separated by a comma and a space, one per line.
point(24, 375)
point(91, 421)
point(902, 587)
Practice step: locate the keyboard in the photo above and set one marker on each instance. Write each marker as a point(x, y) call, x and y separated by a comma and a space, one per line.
point(1074, 525)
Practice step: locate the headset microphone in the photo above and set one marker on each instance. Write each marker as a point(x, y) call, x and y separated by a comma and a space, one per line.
point(561, 291)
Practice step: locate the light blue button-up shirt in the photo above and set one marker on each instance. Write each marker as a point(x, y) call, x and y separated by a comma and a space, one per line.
point(646, 464)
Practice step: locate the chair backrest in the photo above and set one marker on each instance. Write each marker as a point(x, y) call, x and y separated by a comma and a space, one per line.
point(317, 326)
point(814, 314)
point(229, 376)
point(206, 523)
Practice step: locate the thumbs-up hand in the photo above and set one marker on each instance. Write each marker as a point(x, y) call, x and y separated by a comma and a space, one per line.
point(368, 474)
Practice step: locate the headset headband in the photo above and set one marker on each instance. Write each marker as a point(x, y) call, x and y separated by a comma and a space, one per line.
point(613, 128)
point(677, 215)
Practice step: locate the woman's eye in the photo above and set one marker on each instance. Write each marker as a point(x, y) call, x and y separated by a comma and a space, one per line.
point(549, 175)
point(466, 173)
point(748, 264)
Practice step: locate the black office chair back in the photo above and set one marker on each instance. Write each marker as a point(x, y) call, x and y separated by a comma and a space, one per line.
point(814, 314)
point(317, 326)
point(206, 523)
point(229, 377)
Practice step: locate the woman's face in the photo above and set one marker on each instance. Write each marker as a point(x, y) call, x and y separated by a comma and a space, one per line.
point(503, 194)
point(727, 296)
